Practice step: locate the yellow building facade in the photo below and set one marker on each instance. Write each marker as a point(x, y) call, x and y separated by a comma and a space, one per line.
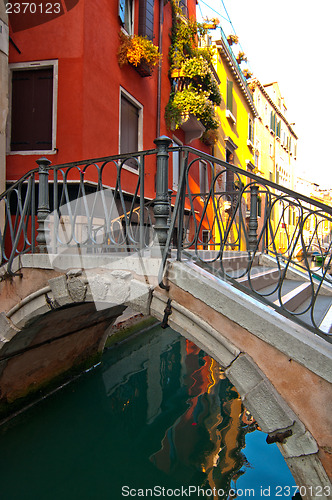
point(234, 141)
point(275, 139)
point(236, 113)
point(275, 155)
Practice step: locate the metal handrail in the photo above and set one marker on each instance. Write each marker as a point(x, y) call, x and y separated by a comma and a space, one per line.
point(239, 217)
point(239, 227)
point(80, 204)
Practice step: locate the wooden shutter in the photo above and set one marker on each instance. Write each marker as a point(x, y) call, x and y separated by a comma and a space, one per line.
point(145, 20)
point(129, 129)
point(129, 126)
point(32, 109)
point(229, 103)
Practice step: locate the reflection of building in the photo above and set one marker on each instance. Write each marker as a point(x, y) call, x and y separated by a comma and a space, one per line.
point(204, 442)
point(174, 402)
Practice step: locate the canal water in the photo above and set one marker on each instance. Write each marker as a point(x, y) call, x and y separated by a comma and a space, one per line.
point(157, 419)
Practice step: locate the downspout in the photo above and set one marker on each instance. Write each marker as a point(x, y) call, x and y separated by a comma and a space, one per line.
point(160, 41)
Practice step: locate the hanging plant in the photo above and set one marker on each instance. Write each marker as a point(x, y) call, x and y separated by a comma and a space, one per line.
point(210, 137)
point(211, 24)
point(241, 57)
point(194, 89)
point(247, 74)
point(190, 102)
point(136, 50)
point(232, 39)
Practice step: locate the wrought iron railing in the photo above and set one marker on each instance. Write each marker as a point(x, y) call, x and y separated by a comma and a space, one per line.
point(266, 239)
point(87, 205)
point(226, 219)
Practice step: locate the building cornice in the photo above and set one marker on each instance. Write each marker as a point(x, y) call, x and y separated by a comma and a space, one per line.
point(254, 82)
point(227, 55)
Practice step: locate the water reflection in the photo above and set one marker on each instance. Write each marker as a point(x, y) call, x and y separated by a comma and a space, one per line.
point(158, 412)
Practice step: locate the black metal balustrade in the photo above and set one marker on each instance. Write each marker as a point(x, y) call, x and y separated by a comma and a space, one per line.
point(264, 238)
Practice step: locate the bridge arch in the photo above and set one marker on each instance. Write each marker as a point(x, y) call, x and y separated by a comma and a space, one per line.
point(93, 303)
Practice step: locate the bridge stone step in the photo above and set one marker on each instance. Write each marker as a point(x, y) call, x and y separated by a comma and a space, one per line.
point(326, 323)
point(260, 279)
point(293, 299)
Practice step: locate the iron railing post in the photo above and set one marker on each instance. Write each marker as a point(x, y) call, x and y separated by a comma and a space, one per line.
point(253, 220)
point(161, 202)
point(43, 209)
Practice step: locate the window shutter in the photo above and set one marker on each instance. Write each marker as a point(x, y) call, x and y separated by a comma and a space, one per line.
point(32, 108)
point(122, 10)
point(145, 21)
point(229, 103)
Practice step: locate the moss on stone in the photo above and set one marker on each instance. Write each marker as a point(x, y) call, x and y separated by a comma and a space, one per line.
point(125, 332)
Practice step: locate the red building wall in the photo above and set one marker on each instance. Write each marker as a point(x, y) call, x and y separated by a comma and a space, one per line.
point(84, 41)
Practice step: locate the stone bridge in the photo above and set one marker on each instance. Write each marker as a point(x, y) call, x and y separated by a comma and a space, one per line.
point(56, 313)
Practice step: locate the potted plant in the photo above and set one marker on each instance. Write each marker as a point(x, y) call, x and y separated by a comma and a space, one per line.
point(194, 89)
point(210, 137)
point(247, 74)
point(232, 39)
point(241, 57)
point(211, 24)
point(139, 52)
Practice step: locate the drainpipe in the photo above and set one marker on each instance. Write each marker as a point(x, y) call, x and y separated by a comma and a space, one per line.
point(160, 41)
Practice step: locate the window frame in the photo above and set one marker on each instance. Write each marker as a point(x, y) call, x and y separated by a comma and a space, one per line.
point(203, 177)
point(28, 66)
point(129, 30)
point(140, 108)
point(176, 142)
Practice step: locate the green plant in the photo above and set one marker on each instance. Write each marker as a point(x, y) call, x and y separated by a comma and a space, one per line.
point(241, 57)
point(198, 91)
point(210, 137)
point(135, 49)
point(190, 101)
point(201, 78)
point(247, 74)
point(232, 39)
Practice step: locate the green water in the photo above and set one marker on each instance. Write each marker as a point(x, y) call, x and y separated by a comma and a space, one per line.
point(156, 419)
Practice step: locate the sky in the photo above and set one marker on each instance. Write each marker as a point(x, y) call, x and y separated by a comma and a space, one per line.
point(289, 41)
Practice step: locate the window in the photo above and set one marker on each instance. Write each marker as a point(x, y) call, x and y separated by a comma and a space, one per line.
point(230, 107)
point(126, 14)
point(184, 7)
point(251, 130)
point(145, 20)
point(206, 236)
point(203, 178)
point(278, 128)
point(131, 126)
point(32, 120)
point(273, 121)
point(257, 159)
point(176, 161)
point(229, 97)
